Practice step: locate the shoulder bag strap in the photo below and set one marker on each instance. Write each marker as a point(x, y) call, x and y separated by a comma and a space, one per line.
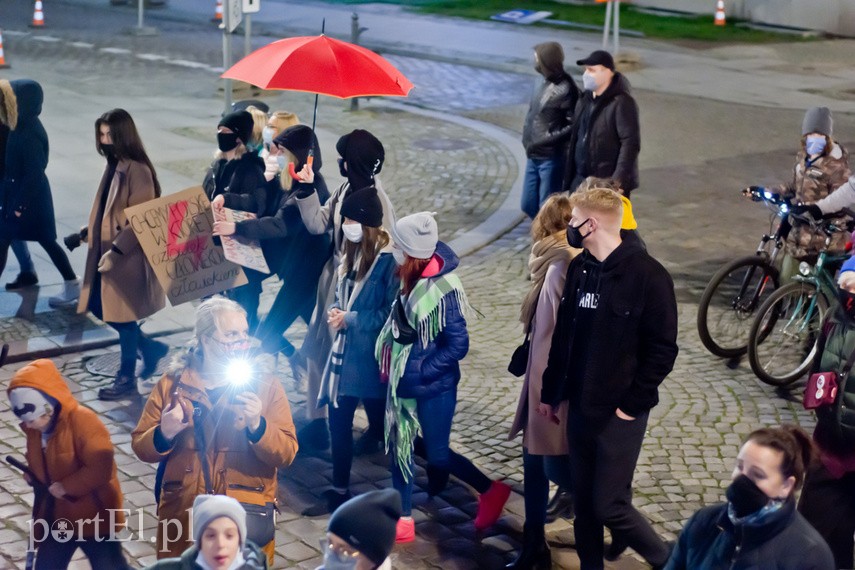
point(202, 449)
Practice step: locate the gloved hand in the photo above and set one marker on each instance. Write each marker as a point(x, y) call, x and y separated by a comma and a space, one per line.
point(810, 209)
point(107, 261)
point(72, 241)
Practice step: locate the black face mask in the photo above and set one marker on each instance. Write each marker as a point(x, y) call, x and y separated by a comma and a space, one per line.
point(341, 168)
point(226, 141)
point(575, 237)
point(109, 151)
point(847, 302)
point(745, 496)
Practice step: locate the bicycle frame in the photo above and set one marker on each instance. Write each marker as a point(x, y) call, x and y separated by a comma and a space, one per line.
point(771, 256)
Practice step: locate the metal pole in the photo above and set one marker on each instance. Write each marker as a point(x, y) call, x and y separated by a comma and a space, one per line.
point(227, 53)
point(354, 38)
point(247, 34)
point(617, 27)
point(607, 24)
point(140, 14)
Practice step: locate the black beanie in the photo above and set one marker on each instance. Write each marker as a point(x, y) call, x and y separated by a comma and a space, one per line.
point(367, 523)
point(240, 123)
point(364, 155)
point(363, 206)
point(299, 139)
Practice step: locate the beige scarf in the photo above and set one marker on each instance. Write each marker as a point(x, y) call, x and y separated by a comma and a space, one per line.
point(551, 249)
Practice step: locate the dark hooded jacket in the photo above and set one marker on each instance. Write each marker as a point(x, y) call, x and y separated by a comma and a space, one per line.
point(630, 340)
point(241, 179)
point(26, 205)
point(254, 559)
point(784, 541)
point(612, 140)
point(435, 368)
point(549, 120)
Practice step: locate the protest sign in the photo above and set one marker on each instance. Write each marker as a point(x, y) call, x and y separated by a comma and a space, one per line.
point(175, 234)
point(243, 251)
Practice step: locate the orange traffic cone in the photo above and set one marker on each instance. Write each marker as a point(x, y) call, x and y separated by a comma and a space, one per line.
point(3, 64)
point(38, 16)
point(719, 13)
point(218, 13)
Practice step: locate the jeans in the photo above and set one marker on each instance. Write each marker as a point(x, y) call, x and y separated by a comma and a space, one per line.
point(435, 416)
point(57, 256)
point(603, 463)
point(543, 176)
point(538, 471)
point(341, 433)
point(22, 253)
point(828, 504)
point(105, 554)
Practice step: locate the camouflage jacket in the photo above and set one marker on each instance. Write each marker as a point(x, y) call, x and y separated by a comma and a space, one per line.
point(811, 183)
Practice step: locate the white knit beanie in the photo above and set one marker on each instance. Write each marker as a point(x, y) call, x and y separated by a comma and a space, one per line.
point(416, 234)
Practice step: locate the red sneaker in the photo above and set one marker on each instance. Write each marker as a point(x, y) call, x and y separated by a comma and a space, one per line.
point(490, 505)
point(405, 530)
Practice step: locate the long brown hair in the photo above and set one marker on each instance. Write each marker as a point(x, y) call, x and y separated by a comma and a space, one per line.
point(410, 272)
point(127, 143)
point(796, 447)
point(373, 240)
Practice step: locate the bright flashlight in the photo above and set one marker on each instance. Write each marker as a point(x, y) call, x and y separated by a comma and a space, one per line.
point(239, 371)
point(768, 195)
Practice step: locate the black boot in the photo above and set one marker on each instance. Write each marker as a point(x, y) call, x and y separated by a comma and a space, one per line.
point(534, 555)
point(152, 352)
point(123, 386)
point(560, 506)
point(22, 281)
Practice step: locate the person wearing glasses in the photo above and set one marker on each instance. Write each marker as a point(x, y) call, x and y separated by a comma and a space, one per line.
point(216, 424)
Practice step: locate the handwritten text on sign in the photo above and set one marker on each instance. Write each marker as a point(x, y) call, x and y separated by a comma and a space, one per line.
point(175, 234)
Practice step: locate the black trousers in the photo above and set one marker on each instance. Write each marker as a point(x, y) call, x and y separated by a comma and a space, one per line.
point(53, 555)
point(341, 432)
point(829, 505)
point(603, 463)
point(54, 251)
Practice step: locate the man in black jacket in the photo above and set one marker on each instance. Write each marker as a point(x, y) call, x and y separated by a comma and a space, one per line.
point(547, 127)
point(614, 342)
point(605, 139)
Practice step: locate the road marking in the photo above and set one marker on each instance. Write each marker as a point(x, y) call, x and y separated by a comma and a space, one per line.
point(84, 45)
point(187, 63)
point(47, 39)
point(152, 57)
point(118, 51)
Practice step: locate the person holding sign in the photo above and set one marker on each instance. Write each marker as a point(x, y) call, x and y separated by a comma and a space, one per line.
point(119, 286)
point(239, 173)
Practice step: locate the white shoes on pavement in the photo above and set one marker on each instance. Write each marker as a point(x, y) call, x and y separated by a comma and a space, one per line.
point(69, 295)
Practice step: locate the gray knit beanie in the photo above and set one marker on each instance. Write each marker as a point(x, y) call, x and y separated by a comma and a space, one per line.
point(818, 120)
point(207, 508)
point(416, 234)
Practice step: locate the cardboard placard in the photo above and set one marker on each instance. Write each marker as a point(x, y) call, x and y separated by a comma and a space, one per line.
point(243, 251)
point(175, 233)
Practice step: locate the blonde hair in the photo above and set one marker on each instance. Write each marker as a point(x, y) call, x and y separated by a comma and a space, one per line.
point(553, 216)
point(285, 180)
point(259, 121)
point(282, 120)
point(594, 182)
point(208, 315)
point(598, 200)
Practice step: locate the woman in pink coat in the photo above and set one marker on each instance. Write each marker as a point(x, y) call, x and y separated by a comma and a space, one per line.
point(545, 449)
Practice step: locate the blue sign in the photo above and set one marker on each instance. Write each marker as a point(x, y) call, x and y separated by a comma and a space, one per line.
point(521, 16)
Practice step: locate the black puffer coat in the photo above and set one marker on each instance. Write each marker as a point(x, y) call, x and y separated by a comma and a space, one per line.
point(242, 179)
point(613, 136)
point(785, 541)
point(26, 205)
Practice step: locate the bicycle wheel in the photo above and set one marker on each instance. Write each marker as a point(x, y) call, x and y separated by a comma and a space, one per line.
point(728, 304)
point(782, 339)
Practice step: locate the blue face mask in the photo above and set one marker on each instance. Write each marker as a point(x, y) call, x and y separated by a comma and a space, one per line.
point(280, 160)
point(815, 145)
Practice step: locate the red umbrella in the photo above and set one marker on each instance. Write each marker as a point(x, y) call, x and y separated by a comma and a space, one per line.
point(320, 64)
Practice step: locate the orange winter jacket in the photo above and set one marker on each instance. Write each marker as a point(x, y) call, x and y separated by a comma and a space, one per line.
point(79, 454)
point(238, 467)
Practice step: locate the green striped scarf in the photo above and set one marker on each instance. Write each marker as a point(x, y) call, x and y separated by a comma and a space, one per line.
point(425, 311)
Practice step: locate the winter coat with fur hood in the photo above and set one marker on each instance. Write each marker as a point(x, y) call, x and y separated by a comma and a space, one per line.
point(79, 454)
point(26, 205)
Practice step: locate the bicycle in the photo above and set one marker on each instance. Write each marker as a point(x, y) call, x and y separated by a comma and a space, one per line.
point(782, 341)
point(735, 291)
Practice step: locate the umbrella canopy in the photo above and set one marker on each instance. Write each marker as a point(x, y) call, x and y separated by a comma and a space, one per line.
point(320, 64)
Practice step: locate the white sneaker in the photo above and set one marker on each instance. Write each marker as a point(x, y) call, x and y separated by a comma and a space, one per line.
point(146, 385)
point(69, 295)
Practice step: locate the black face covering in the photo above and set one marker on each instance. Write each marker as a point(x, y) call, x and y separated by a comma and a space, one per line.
point(847, 302)
point(575, 237)
point(226, 141)
point(745, 496)
point(341, 168)
point(109, 151)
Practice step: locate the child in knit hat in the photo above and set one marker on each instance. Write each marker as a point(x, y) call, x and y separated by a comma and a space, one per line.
point(361, 532)
point(219, 530)
point(71, 456)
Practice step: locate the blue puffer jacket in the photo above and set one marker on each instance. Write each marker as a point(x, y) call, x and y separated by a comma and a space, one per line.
point(435, 368)
point(360, 373)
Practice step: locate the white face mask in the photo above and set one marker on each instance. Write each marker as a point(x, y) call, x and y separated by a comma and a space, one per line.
point(589, 82)
point(267, 135)
point(280, 160)
point(352, 232)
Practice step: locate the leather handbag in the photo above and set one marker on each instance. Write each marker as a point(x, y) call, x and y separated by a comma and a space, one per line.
point(823, 387)
point(260, 522)
point(519, 359)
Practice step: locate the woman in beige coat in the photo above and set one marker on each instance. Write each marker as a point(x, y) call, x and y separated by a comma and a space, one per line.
point(119, 285)
point(545, 449)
